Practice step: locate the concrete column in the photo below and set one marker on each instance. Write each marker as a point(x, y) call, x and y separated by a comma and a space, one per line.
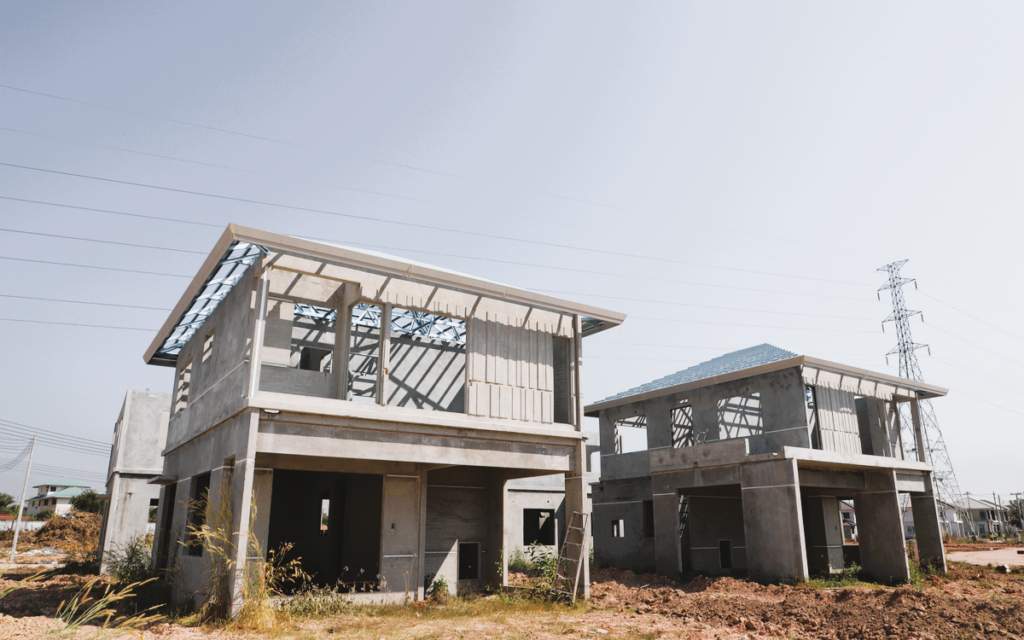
point(494, 555)
point(883, 552)
point(927, 529)
point(576, 500)
point(773, 521)
point(262, 493)
point(666, 533)
point(384, 354)
point(343, 336)
point(659, 423)
point(823, 530)
point(915, 414)
point(422, 551)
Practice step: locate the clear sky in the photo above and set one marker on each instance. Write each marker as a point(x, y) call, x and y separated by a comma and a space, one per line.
point(756, 161)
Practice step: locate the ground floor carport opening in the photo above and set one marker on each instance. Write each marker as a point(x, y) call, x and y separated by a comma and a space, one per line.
point(331, 523)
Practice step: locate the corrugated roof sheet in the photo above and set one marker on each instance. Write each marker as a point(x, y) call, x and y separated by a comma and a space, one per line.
point(62, 481)
point(735, 361)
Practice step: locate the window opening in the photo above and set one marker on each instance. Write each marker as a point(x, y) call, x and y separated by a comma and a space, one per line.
point(812, 417)
point(198, 503)
point(562, 391)
point(682, 425)
point(631, 434)
point(648, 518)
point(618, 529)
point(208, 347)
point(469, 561)
point(325, 512)
point(740, 417)
point(427, 361)
point(538, 526)
point(181, 390)
point(364, 350)
point(312, 342)
point(725, 553)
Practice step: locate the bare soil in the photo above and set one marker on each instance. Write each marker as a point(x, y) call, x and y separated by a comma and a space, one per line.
point(970, 602)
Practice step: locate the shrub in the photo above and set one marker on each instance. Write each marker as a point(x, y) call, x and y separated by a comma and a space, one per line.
point(130, 562)
point(44, 515)
point(87, 501)
point(438, 589)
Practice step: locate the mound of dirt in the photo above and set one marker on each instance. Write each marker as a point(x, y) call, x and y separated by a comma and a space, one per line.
point(77, 531)
point(993, 603)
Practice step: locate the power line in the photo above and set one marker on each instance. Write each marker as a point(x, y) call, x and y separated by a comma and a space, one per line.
point(43, 432)
point(419, 225)
point(101, 304)
point(123, 244)
point(976, 346)
point(77, 324)
point(89, 266)
point(973, 317)
point(325, 184)
point(375, 160)
point(113, 212)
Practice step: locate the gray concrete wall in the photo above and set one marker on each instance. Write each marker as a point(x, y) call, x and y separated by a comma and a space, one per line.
point(622, 500)
point(712, 519)
point(823, 531)
point(882, 551)
point(773, 521)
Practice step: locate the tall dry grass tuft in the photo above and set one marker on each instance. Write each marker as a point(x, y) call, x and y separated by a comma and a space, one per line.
point(100, 610)
point(261, 580)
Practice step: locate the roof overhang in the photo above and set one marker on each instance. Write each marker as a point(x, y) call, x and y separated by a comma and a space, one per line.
point(178, 325)
point(922, 390)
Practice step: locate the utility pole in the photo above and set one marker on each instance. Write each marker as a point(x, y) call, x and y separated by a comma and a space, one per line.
point(946, 487)
point(21, 507)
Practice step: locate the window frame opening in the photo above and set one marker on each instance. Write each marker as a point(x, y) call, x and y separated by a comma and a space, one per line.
point(683, 434)
point(198, 506)
point(619, 528)
point(182, 387)
point(207, 346)
point(635, 426)
point(546, 530)
point(725, 558)
point(468, 561)
point(648, 518)
point(734, 418)
point(561, 377)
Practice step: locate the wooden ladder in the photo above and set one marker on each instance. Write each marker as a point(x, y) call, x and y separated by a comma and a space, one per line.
point(569, 567)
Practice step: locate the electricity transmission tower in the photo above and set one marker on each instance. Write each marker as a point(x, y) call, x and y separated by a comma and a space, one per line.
point(947, 489)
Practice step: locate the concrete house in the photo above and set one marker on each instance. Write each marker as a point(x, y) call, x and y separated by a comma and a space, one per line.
point(54, 495)
point(135, 458)
point(988, 517)
point(748, 458)
point(403, 422)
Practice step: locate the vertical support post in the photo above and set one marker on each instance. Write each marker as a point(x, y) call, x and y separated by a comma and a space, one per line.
point(927, 529)
point(259, 327)
point(343, 337)
point(494, 562)
point(21, 505)
point(242, 476)
point(422, 551)
point(880, 523)
point(915, 414)
point(576, 487)
point(773, 521)
point(384, 354)
point(667, 548)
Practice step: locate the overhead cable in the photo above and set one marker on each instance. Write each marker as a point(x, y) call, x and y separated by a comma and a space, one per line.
point(375, 219)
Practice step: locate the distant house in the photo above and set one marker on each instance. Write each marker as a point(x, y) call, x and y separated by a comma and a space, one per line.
point(950, 520)
point(988, 517)
point(55, 495)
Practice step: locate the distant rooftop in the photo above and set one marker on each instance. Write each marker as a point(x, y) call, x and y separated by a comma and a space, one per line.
point(735, 361)
point(62, 481)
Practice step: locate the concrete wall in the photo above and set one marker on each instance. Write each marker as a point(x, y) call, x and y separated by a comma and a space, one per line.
point(622, 500)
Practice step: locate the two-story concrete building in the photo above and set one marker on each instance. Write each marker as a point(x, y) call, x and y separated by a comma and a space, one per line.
point(748, 457)
point(396, 398)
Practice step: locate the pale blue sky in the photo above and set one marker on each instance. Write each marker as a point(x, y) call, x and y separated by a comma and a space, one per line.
point(783, 151)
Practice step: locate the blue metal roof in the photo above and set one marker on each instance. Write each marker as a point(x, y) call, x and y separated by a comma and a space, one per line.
point(735, 361)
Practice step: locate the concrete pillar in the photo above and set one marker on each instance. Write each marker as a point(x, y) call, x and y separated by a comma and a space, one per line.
point(666, 532)
point(262, 493)
point(915, 414)
point(823, 530)
point(883, 552)
point(494, 555)
point(927, 529)
point(773, 521)
point(659, 423)
point(384, 354)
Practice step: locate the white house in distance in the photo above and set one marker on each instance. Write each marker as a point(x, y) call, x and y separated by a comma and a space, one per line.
point(55, 495)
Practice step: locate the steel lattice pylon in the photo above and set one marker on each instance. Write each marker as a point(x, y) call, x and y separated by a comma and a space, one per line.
point(947, 489)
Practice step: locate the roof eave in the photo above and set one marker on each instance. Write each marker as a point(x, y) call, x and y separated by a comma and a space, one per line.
point(376, 264)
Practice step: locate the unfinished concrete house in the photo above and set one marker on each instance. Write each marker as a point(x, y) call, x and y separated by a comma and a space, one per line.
point(748, 456)
point(139, 436)
point(367, 409)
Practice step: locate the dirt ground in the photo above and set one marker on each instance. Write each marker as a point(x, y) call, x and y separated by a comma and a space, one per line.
point(970, 602)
